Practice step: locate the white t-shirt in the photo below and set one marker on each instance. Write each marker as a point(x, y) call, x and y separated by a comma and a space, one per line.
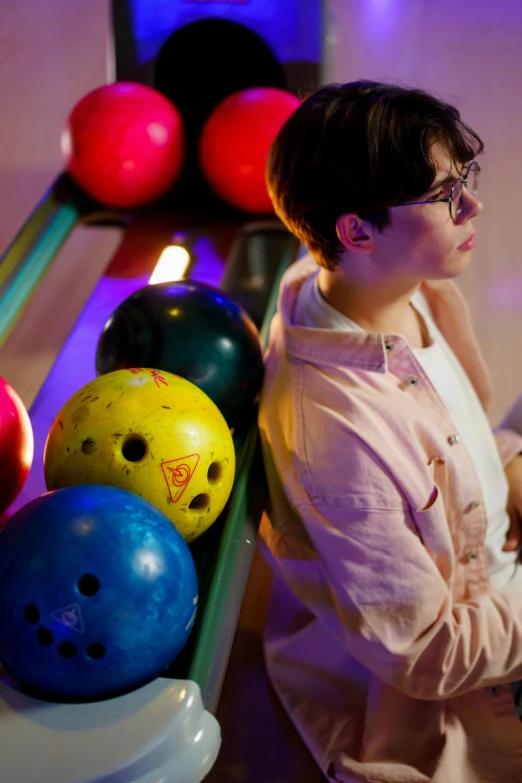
point(459, 397)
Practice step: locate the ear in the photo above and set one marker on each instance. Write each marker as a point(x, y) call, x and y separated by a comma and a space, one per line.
point(354, 233)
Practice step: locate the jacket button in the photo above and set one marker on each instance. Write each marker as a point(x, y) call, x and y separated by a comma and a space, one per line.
point(471, 556)
point(453, 439)
point(413, 380)
point(388, 346)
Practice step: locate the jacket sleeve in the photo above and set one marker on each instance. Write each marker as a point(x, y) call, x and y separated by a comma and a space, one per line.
point(509, 444)
point(371, 582)
point(509, 434)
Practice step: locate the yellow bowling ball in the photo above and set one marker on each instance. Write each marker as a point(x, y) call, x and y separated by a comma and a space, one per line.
point(149, 432)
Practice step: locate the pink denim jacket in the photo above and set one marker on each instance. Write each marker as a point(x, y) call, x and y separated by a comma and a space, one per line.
point(384, 639)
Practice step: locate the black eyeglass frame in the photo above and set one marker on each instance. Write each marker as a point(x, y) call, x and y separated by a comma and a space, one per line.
point(473, 167)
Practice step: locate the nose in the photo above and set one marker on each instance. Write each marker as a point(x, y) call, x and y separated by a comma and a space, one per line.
point(471, 206)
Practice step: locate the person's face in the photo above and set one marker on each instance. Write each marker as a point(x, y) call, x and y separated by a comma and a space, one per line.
point(422, 241)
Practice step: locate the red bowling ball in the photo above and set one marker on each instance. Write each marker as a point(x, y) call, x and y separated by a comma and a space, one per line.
point(235, 143)
point(16, 445)
point(124, 144)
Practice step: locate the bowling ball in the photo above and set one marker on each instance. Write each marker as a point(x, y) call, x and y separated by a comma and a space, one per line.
point(151, 433)
point(16, 445)
point(124, 144)
point(235, 142)
point(192, 330)
point(98, 593)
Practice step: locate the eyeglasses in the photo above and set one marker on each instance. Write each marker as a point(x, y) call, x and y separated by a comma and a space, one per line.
point(470, 181)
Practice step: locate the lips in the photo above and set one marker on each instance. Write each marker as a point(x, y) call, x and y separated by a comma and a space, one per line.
point(469, 244)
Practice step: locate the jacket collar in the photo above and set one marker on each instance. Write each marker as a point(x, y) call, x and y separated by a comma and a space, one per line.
point(370, 350)
point(356, 350)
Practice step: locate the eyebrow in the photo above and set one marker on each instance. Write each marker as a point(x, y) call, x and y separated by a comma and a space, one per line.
point(446, 181)
point(450, 178)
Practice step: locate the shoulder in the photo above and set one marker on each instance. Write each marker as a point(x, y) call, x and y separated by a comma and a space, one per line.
point(452, 316)
point(444, 297)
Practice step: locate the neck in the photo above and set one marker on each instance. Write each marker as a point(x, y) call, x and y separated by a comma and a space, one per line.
point(375, 307)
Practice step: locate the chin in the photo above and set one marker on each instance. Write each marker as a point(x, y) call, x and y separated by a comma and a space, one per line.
point(458, 264)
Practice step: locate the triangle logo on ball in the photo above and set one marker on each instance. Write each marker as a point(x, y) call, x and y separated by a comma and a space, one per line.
point(177, 473)
point(70, 616)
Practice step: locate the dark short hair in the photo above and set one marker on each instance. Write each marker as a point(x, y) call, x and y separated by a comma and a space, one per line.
point(360, 147)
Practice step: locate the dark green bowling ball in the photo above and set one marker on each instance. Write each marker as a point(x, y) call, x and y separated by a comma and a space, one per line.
point(192, 330)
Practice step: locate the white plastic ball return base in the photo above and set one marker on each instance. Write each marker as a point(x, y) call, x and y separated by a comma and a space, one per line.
point(158, 734)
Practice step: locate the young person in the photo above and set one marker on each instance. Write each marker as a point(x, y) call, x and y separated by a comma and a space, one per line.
point(395, 627)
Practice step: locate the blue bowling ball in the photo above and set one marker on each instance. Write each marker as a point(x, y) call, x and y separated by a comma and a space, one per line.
point(98, 593)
